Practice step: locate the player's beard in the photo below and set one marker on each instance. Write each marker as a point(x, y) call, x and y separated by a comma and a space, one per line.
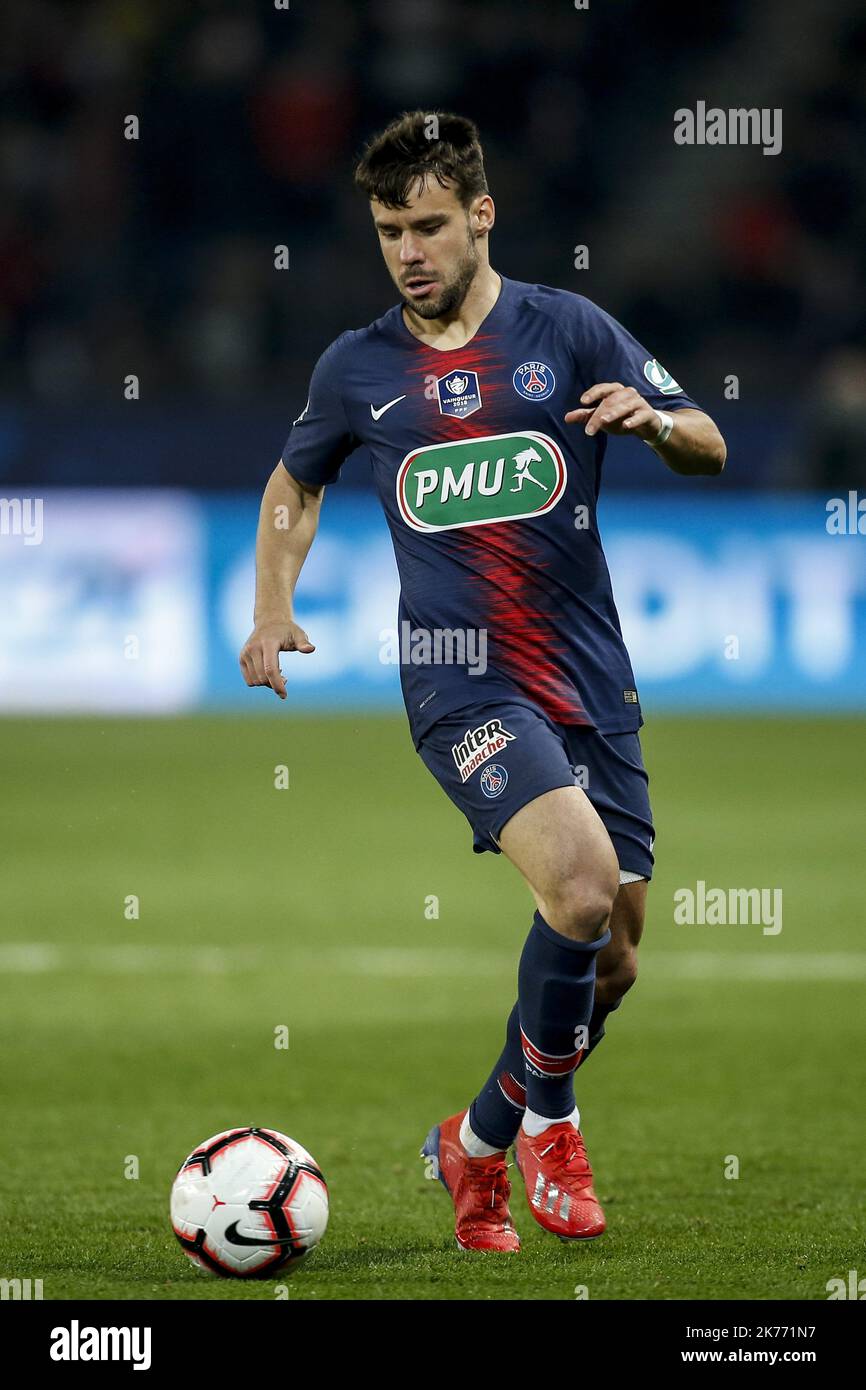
point(451, 295)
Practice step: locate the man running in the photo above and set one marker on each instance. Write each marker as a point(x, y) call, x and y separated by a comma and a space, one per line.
point(469, 388)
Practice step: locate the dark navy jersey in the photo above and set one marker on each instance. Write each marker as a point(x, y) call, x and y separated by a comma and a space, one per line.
point(490, 499)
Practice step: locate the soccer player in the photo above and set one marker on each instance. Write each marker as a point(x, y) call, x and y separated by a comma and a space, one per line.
point(484, 404)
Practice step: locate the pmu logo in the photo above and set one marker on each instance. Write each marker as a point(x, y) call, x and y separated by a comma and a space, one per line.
point(459, 393)
point(473, 482)
point(534, 380)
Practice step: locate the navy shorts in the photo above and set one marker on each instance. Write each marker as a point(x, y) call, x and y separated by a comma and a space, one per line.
point(493, 759)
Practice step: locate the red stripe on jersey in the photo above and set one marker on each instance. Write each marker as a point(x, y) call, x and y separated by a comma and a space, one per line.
point(503, 563)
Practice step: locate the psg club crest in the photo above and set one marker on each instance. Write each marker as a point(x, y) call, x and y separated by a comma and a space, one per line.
point(534, 380)
point(459, 393)
point(493, 779)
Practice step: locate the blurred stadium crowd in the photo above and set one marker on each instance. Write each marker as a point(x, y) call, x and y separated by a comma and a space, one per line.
point(155, 256)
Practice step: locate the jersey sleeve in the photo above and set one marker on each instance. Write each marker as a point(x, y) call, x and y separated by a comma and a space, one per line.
point(321, 438)
point(615, 355)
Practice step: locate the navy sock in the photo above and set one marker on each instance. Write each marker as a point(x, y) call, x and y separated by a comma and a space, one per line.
point(596, 1026)
point(555, 989)
point(497, 1110)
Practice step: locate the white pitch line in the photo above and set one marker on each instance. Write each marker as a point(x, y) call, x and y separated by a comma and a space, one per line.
point(39, 958)
point(766, 963)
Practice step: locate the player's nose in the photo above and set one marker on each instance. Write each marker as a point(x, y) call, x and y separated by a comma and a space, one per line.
point(410, 250)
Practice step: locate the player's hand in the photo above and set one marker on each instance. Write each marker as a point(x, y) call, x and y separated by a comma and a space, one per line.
point(260, 658)
point(616, 409)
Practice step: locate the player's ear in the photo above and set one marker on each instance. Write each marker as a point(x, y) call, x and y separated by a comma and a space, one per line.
point(482, 214)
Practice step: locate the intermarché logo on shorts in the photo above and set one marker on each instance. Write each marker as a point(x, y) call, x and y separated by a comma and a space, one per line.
point(477, 745)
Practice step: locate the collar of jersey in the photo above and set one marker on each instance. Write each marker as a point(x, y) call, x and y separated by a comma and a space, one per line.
point(495, 308)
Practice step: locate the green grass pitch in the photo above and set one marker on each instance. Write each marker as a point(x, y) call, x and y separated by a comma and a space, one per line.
point(306, 908)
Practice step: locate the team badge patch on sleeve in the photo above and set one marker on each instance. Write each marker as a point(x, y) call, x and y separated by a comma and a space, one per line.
point(534, 380)
point(660, 378)
point(459, 393)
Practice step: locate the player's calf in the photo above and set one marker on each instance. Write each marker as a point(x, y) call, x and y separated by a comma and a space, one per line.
point(616, 967)
point(615, 975)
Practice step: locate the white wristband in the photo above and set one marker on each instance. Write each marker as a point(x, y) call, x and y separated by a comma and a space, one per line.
point(665, 427)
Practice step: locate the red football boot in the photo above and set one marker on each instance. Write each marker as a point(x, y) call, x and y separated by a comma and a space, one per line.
point(558, 1181)
point(479, 1189)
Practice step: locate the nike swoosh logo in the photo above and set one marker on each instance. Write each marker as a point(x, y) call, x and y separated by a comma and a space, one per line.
point(232, 1234)
point(377, 414)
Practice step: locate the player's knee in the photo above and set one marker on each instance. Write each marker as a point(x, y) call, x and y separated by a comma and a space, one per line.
point(580, 903)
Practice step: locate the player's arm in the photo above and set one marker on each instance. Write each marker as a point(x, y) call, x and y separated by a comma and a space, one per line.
point(288, 520)
point(693, 445)
point(320, 441)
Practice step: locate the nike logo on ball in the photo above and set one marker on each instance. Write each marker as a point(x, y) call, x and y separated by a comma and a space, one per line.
point(376, 414)
point(234, 1237)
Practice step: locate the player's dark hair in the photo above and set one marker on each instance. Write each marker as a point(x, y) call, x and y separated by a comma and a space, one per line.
point(420, 145)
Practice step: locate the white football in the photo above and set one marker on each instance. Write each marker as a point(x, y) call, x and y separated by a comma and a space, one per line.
point(248, 1202)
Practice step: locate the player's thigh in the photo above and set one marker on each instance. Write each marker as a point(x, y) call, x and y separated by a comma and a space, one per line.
point(560, 845)
point(613, 775)
point(507, 767)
